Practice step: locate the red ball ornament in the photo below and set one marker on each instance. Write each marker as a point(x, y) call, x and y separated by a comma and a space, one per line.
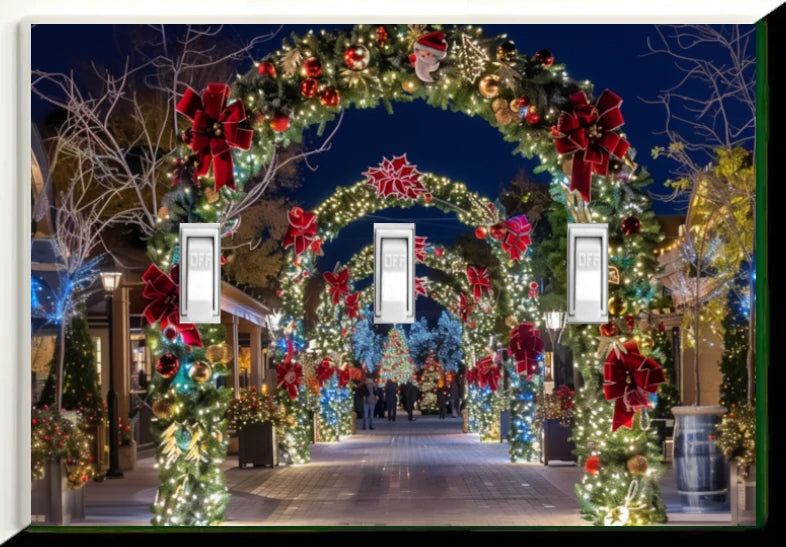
point(481, 232)
point(279, 293)
point(357, 57)
point(630, 322)
point(608, 329)
point(267, 69)
point(167, 365)
point(427, 198)
point(544, 57)
point(438, 251)
point(497, 231)
point(309, 88)
point(532, 116)
point(279, 123)
point(311, 68)
point(518, 104)
point(592, 465)
point(170, 332)
point(472, 325)
point(631, 225)
point(329, 97)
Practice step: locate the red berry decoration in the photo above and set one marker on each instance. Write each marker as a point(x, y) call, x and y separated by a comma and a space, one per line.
point(329, 97)
point(630, 322)
point(312, 68)
point(309, 88)
point(532, 116)
point(382, 36)
point(631, 226)
point(357, 57)
point(267, 69)
point(544, 57)
point(481, 232)
point(592, 465)
point(167, 365)
point(608, 329)
point(279, 123)
point(497, 231)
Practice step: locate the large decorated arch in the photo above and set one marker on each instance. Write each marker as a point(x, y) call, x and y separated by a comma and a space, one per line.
point(236, 132)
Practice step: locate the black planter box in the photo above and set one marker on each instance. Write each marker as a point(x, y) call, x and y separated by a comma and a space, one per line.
point(257, 445)
point(555, 442)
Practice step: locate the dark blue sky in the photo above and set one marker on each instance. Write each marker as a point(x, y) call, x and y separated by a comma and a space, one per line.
point(463, 148)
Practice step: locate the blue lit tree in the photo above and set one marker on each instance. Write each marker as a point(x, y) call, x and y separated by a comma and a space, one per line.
point(421, 341)
point(366, 343)
point(449, 331)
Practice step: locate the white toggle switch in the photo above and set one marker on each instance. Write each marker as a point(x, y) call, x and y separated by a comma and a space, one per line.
point(588, 273)
point(394, 273)
point(200, 273)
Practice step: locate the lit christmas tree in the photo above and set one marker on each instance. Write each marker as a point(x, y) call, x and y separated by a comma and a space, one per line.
point(396, 361)
point(668, 392)
point(430, 379)
point(733, 365)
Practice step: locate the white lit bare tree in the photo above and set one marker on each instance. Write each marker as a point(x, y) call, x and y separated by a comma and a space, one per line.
point(709, 126)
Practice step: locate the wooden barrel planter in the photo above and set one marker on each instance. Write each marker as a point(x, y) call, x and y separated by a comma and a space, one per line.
point(52, 502)
point(257, 445)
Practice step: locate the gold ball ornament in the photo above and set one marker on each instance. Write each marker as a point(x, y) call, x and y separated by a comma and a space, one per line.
point(163, 409)
point(200, 372)
point(210, 194)
point(637, 465)
point(219, 353)
point(489, 86)
point(506, 52)
point(498, 104)
point(617, 306)
point(511, 321)
point(409, 85)
point(504, 116)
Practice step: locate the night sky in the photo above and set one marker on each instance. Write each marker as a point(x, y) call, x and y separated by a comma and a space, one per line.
point(463, 148)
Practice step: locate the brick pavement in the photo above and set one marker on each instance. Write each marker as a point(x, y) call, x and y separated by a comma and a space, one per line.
point(422, 473)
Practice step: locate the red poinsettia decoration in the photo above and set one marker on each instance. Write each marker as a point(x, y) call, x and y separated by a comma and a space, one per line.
point(590, 133)
point(302, 232)
point(338, 284)
point(324, 370)
point(343, 376)
point(526, 346)
point(215, 131)
point(465, 307)
point(290, 375)
point(421, 286)
point(515, 238)
point(479, 281)
point(420, 248)
point(628, 378)
point(396, 177)
point(163, 291)
point(488, 373)
point(352, 303)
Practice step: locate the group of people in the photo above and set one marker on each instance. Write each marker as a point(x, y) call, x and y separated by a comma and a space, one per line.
point(373, 400)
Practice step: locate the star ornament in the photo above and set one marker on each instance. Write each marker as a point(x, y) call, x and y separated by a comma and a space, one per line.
point(396, 177)
point(628, 378)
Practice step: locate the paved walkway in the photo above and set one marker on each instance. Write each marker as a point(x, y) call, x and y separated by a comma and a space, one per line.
point(422, 473)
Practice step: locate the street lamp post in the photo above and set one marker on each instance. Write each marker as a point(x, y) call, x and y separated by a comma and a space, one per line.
point(555, 324)
point(111, 280)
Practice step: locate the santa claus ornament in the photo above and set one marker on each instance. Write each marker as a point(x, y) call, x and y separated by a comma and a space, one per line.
point(429, 50)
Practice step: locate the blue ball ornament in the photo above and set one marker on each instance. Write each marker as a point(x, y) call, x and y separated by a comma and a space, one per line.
point(183, 438)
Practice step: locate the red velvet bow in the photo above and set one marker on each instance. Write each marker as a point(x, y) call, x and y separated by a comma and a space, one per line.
point(338, 284)
point(471, 376)
point(465, 307)
point(215, 130)
point(352, 304)
point(421, 286)
point(590, 131)
point(534, 289)
point(343, 376)
point(420, 248)
point(526, 346)
point(302, 232)
point(488, 373)
point(290, 375)
point(396, 177)
point(324, 370)
point(516, 239)
point(163, 291)
point(627, 378)
point(479, 281)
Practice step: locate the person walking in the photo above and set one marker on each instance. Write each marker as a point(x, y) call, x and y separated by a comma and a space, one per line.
point(442, 399)
point(454, 397)
point(369, 403)
point(411, 396)
point(391, 399)
point(379, 409)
